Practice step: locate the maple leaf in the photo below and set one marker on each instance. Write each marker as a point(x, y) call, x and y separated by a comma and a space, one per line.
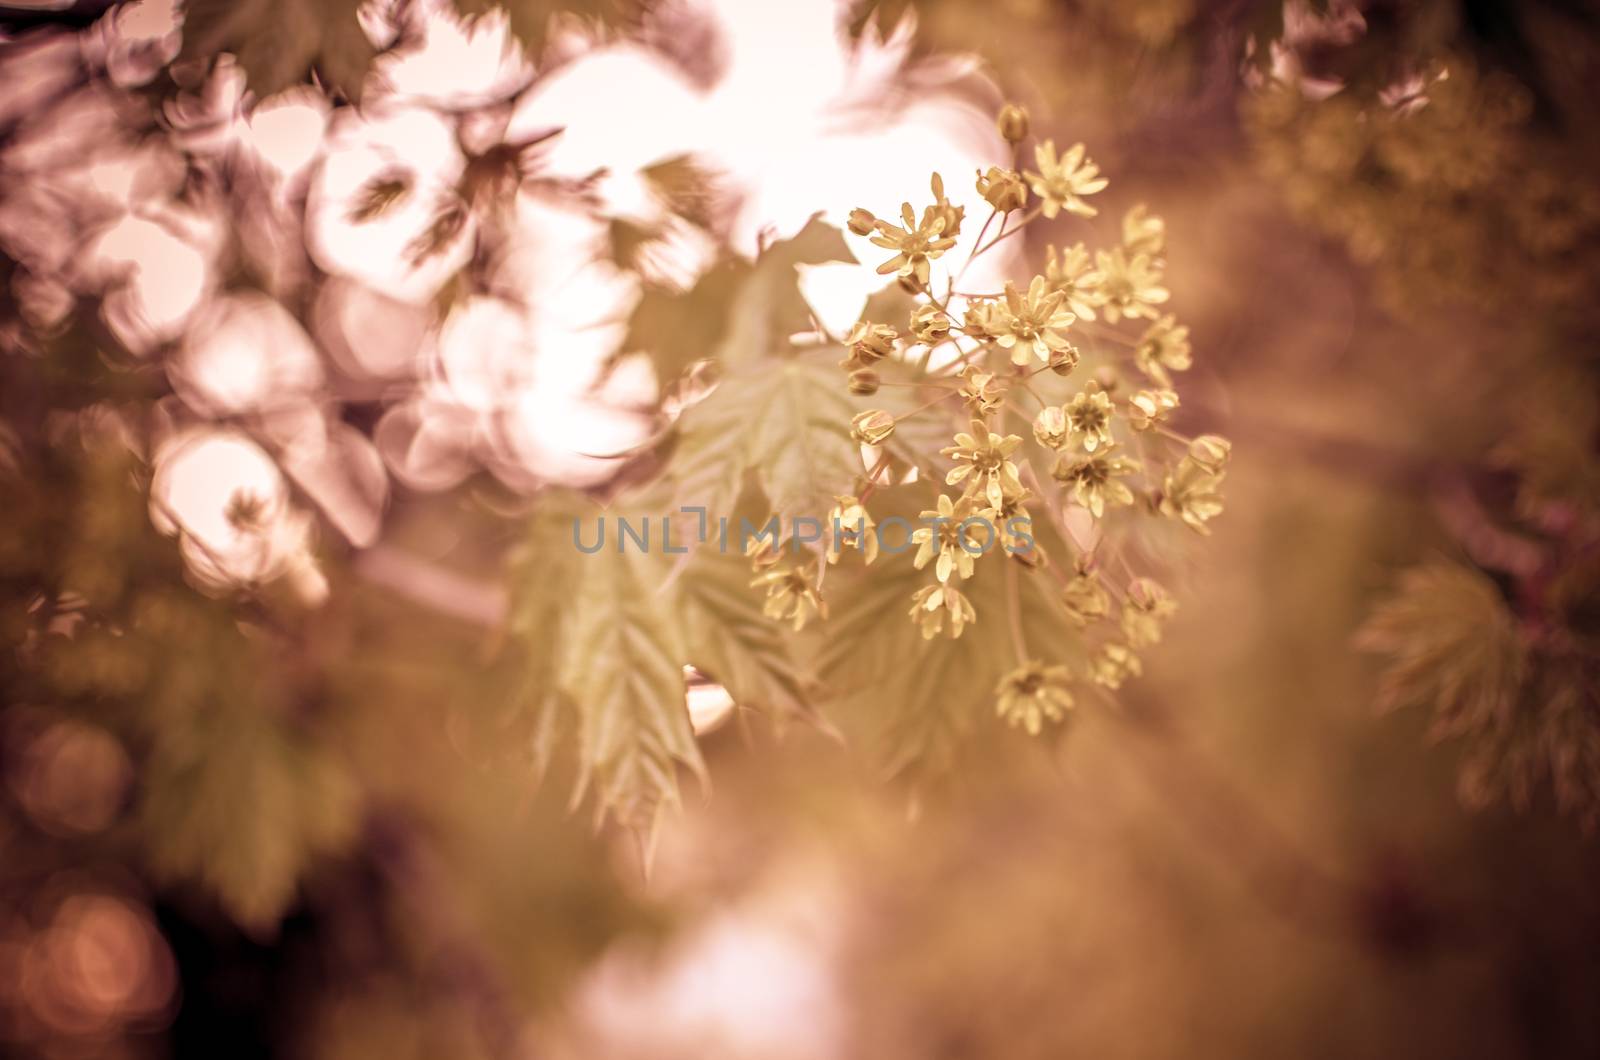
point(785, 420)
point(927, 696)
point(244, 804)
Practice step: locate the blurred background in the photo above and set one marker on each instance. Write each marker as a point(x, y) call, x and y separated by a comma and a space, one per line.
point(249, 335)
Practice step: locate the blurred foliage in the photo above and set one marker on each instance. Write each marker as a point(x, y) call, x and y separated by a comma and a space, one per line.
point(1525, 706)
point(280, 43)
point(237, 789)
point(331, 811)
point(1449, 144)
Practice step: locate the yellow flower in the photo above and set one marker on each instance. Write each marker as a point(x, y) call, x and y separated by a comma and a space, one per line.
point(1089, 416)
point(1085, 599)
point(873, 427)
point(1163, 349)
point(763, 552)
point(1030, 326)
point(1062, 183)
point(1112, 663)
point(983, 391)
point(1074, 275)
point(850, 526)
point(1012, 526)
point(1147, 607)
point(791, 594)
point(951, 215)
point(985, 458)
point(915, 244)
point(1012, 123)
point(929, 324)
point(1143, 233)
point(931, 605)
point(1095, 479)
point(869, 343)
point(1150, 407)
point(1211, 452)
point(1192, 494)
point(861, 222)
point(1032, 694)
point(943, 535)
point(1003, 189)
point(1131, 286)
point(1050, 427)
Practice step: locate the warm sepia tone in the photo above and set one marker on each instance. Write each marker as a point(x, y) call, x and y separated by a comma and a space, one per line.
point(745, 530)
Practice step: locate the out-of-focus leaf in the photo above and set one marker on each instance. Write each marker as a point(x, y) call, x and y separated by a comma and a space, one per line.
point(280, 42)
point(1452, 644)
point(244, 804)
point(737, 311)
point(1522, 713)
point(892, 305)
point(679, 328)
point(687, 188)
point(546, 575)
point(772, 308)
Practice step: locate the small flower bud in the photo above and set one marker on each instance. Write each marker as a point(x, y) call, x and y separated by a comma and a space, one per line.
point(1050, 427)
point(1210, 451)
point(861, 222)
point(1064, 360)
point(873, 427)
point(930, 325)
point(863, 381)
point(1003, 189)
point(1013, 123)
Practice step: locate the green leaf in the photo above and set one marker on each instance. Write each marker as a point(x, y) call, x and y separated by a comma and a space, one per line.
point(771, 307)
point(927, 697)
point(244, 803)
point(688, 188)
point(621, 667)
point(678, 328)
point(737, 311)
point(599, 640)
point(280, 42)
point(1452, 644)
point(892, 305)
point(528, 709)
point(734, 643)
point(787, 420)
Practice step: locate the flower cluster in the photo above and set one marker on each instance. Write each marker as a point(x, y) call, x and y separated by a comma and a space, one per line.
point(1060, 395)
